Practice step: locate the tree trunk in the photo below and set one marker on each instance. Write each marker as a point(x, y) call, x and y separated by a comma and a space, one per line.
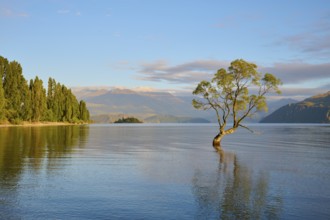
point(217, 141)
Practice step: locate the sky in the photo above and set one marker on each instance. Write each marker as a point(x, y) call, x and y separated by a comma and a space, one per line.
point(167, 45)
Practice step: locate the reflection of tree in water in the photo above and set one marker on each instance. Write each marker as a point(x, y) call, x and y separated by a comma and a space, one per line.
point(234, 192)
point(19, 144)
point(36, 143)
point(33, 147)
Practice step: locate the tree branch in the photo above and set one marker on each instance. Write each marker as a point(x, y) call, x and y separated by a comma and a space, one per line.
point(216, 110)
point(243, 126)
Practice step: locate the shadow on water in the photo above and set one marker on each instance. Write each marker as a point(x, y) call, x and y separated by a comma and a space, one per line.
point(32, 147)
point(232, 191)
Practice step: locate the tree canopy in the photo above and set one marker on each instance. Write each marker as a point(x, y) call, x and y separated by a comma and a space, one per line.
point(235, 94)
point(20, 101)
point(128, 120)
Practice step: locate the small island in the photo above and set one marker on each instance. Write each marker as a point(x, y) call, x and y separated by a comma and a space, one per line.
point(128, 120)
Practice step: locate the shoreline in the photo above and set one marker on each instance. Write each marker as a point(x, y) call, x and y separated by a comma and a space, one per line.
point(39, 124)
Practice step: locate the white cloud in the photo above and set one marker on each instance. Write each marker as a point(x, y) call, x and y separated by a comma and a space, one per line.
point(185, 73)
point(295, 75)
point(194, 71)
point(299, 72)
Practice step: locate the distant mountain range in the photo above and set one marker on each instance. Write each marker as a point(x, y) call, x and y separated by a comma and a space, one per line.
point(315, 109)
point(155, 107)
point(107, 106)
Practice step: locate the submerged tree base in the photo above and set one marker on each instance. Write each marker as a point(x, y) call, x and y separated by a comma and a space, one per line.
point(218, 148)
point(217, 142)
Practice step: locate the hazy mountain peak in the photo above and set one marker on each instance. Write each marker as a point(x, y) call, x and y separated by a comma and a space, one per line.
point(83, 93)
point(121, 91)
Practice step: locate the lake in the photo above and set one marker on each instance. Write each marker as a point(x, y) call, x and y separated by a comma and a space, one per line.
point(165, 171)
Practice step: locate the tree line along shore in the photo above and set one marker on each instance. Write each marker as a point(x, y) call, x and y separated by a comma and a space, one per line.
point(23, 103)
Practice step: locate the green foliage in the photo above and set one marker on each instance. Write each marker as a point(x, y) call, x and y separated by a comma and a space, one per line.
point(128, 120)
point(49, 116)
point(16, 121)
point(27, 105)
point(3, 62)
point(64, 105)
point(38, 99)
point(13, 81)
point(2, 102)
point(235, 94)
point(83, 111)
point(50, 94)
point(22, 102)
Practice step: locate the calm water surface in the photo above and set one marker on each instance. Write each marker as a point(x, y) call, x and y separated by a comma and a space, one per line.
point(164, 172)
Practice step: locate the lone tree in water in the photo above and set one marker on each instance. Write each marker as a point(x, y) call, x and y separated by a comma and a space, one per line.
point(229, 96)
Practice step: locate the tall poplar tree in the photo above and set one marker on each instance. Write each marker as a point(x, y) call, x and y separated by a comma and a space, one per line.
point(26, 109)
point(50, 114)
point(38, 99)
point(83, 111)
point(58, 107)
point(3, 64)
point(12, 79)
point(2, 100)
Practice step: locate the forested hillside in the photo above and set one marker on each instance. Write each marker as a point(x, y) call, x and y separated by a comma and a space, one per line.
point(21, 100)
point(315, 109)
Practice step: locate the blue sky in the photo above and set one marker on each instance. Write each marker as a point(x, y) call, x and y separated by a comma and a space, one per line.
point(167, 44)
